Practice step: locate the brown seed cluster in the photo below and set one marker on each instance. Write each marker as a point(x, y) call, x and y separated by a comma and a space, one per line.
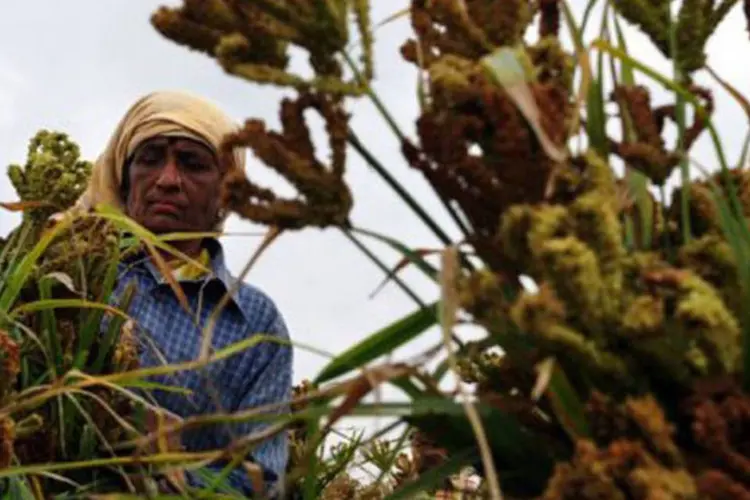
point(476, 148)
point(632, 455)
point(623, 470)
point(549, 24)
point(468, 29)
point(323, 197)
point(648, 152)
point(693, 25)
point(7, 438)
point(252, 40)
point(10, 364)
point(704, 212)
point(720, 426)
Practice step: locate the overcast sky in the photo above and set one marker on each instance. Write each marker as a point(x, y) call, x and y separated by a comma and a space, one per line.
point(77, 65)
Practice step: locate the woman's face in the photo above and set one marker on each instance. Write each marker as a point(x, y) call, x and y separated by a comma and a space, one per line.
point(174, 186)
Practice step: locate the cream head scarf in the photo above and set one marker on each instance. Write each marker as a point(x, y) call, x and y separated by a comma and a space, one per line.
point(164, 113)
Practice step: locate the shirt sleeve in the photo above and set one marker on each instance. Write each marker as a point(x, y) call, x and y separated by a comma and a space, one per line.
point(272, 384)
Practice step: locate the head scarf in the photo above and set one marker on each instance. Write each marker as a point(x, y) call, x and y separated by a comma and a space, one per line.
point(163, 113)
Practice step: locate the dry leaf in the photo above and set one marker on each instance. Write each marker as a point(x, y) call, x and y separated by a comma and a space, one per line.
point(400, 265)
point(20, 206)
point(166, 272)
point(544, 370)
point(362, 385)
point(741, 99)
point(506, 69)
point(64, 279)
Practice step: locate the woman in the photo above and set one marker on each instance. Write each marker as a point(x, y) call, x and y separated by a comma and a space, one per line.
point(162, 169)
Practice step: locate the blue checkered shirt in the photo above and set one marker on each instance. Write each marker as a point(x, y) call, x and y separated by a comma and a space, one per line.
point(254, 377)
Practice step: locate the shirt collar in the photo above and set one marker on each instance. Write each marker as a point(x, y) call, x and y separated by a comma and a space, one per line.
point(218, 270)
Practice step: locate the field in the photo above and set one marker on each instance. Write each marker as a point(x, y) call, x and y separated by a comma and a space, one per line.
point(602, 263)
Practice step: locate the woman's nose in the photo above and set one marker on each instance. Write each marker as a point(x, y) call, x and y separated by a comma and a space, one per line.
point(169, 175)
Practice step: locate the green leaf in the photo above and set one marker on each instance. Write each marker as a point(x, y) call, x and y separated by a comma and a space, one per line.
point(25, 268)
point(113, 331)
point(407, 386)
point(567, 406)
point(742, 161)
point(626, 70)
point(217, 481)
point(50, 304)
point(587, 14)
point(511, 444)
point(381, 342)
point(50, 328)
point(664, 81)
point(18, 489)
point(93, 322)
point(87, 447)
point(673, 86)
point(637, 182)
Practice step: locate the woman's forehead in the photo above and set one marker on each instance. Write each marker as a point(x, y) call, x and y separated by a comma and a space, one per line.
point(161, 140)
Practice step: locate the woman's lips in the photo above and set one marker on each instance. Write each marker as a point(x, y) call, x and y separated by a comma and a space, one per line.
point(166, 209)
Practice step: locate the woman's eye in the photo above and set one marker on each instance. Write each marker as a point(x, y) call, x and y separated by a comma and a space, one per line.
point(149, 157)
point(194, 162)
point(196, 165)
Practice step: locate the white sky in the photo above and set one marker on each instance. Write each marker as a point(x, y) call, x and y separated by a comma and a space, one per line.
point(77, 65)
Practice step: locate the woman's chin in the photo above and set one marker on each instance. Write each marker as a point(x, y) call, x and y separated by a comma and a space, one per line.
point(165, 224)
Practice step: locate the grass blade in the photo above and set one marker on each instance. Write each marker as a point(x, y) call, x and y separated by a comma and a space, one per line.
point(664, 81)
point(25, 268)
point(731, 90)
point(567, 406)
point(50, 304)
point(18, 489)
point(582, 55)
point(742, 160)
point(587, 14)
point(380, 342)
point(596, 119)
point(636, 181)
point(92, 324)
point(113, 331)
point(374, 258)
point(414, 257)
point(626, 70)
point(50, 328)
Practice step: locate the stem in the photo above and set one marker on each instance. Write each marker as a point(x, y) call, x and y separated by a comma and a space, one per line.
point(375, 99)
point(408, 199)
point(394, 184)
point(680, 118)
point(667, 244)
point(388, 117)
point(361, 246)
